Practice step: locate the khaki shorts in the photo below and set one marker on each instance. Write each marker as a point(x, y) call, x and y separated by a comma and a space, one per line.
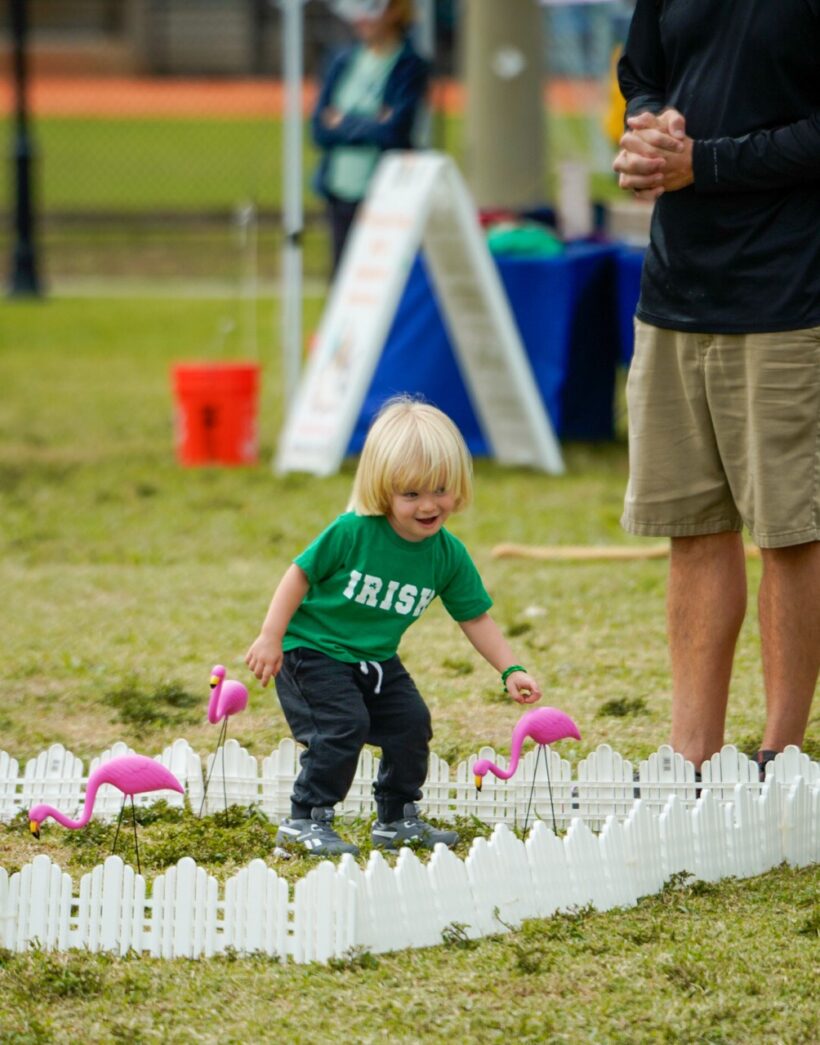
point(724, 431)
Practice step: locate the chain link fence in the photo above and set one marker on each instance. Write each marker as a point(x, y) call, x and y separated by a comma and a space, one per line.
point(157, 132)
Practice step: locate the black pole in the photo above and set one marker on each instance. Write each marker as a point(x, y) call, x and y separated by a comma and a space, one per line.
point(24, 281)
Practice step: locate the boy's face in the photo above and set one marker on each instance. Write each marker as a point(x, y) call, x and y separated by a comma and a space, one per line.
point(418, 514)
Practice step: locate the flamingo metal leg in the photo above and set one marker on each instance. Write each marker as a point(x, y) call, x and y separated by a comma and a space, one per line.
point(119, 821)
point(136, 843)
point(549, 786)
point(219, 744)
point(542, 749)
point(224, 783)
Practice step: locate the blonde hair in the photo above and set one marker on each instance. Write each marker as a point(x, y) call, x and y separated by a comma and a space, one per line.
point(411, 445)
point(403, 13)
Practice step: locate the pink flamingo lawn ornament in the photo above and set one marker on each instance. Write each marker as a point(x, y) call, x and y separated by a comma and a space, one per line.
point(544, 726)
point(228, 697)
point(131, 774)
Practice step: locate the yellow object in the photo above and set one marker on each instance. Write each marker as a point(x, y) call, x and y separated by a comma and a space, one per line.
point(616, 113)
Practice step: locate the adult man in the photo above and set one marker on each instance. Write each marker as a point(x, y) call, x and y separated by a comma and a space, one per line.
point(723, 130)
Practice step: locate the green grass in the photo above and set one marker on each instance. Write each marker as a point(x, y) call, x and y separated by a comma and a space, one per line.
point(698, 963)
point(126, 577)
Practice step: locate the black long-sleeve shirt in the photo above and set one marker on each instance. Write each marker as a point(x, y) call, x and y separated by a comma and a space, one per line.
point(739, 250)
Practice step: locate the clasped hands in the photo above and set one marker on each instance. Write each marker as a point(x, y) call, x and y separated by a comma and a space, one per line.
point(655, 155)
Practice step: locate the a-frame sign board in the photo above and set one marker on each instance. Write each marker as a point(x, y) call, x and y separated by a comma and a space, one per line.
point(417, 199)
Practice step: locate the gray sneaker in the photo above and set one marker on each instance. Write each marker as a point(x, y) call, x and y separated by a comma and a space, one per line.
point(316, 835)
point(411, 828)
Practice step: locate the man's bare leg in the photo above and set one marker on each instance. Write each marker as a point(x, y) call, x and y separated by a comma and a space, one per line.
point(706, 604)
point(789, 608)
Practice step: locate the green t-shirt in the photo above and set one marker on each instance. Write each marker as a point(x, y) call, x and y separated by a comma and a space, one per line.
point(368, 585)
point(360, 91)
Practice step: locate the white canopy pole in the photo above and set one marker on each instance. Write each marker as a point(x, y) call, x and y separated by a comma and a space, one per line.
point(292, 202)
point(292, 199)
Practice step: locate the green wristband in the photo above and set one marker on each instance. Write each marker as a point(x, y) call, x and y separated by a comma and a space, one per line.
point(509, 671)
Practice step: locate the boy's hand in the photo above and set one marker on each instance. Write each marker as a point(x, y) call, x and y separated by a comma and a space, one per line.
point(264, 658)
point(523, 688)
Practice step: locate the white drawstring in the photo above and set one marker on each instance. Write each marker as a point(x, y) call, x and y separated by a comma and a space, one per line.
point(379, 672)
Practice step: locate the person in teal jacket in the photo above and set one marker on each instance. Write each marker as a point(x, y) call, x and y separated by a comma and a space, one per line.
point(368, 104)
point(331, 634)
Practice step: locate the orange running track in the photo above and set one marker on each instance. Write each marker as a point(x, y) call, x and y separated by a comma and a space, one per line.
point(136, 97)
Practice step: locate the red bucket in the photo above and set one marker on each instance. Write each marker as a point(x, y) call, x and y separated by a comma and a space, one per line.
point(216, 411)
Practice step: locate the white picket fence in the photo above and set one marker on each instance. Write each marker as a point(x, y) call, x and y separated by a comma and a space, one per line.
point(337, 908)
point(602, 784)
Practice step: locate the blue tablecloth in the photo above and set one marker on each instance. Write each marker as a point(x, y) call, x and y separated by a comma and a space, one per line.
point(628, 265)
point(565, 308)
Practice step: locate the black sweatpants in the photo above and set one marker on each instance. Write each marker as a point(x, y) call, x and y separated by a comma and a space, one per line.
point(341, 214)
point(334, 709)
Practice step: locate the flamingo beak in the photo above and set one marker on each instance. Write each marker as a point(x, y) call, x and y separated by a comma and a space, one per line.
point(478, 782)
point(34, 827)
point(214, 681)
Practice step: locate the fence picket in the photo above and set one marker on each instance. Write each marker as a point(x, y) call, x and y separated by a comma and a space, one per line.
point(748, 843)
point(605, 785)
point(770, 812)
point(452, 893)
point(44, 891)
point(279, 770)
point(644, 849)
point(417, 900)
point(55, 777)
point(792, 763)
point(259, 911)
point(153, 938)
point(710, 838)
point(233, 777)
point(437, 788)
point(90, 939)
point(111, 889)
point(481, 873)
point(9, 771)
point(5, 911)
point(361, 932)
point(322, 914)
point(677, 838)
point(726, 768)
point(186, 766)
point(585, 866)
point(619, 873)
point(516, 896)
point(388, 928)
point(666, 772)
point(797, 833)
point(554, 888)
point(15, 912)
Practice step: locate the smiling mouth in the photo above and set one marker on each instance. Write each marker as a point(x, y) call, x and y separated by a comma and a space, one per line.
point(428, 521)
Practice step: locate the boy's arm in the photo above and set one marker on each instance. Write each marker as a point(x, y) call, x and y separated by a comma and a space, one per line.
point(486, 636)
point(264, 657)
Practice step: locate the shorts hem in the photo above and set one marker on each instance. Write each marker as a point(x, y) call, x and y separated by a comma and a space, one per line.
point(659, 529)
point(786, 540)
